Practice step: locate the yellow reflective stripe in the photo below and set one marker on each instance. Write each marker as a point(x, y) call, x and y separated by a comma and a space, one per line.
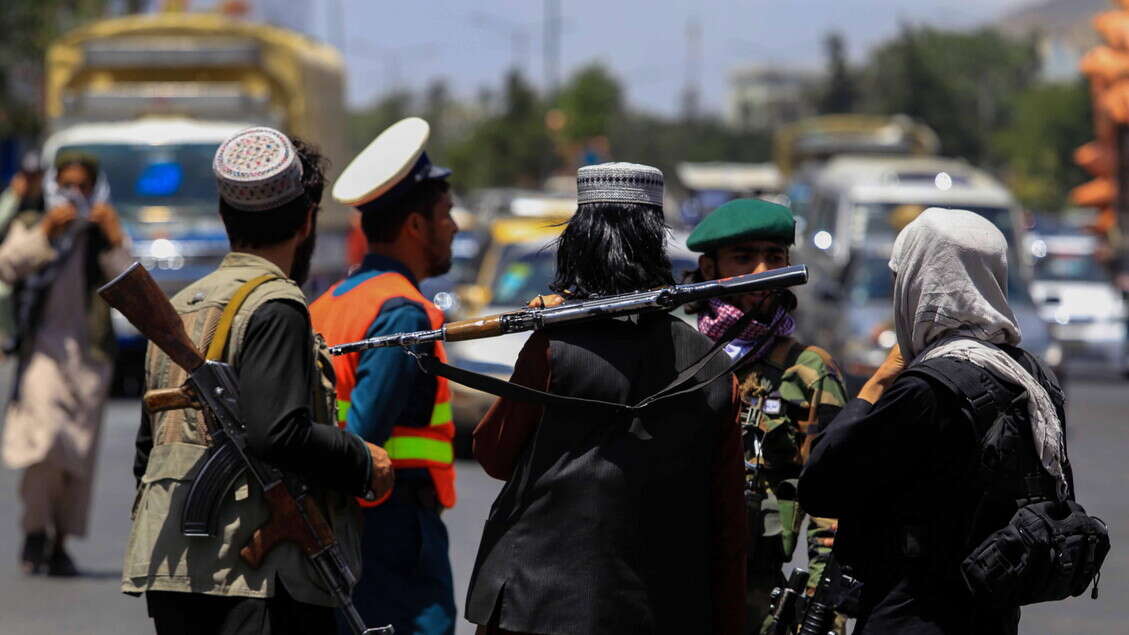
point(342, 410)
point(420, 448)
point(441, 415)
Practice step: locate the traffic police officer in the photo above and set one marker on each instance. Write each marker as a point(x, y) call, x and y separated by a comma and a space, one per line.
point(250, 313)
point(788, 390)
point(382, 394)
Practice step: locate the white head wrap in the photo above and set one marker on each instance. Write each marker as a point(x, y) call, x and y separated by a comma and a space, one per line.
point(951, 268)
point(54, 196)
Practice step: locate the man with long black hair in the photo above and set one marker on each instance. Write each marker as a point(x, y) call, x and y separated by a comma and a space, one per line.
point(613, 521)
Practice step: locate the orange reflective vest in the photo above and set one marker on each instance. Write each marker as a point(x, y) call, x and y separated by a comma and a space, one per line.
point(347, 318)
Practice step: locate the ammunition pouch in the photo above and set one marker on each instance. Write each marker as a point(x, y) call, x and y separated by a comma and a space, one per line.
point(1049, 551)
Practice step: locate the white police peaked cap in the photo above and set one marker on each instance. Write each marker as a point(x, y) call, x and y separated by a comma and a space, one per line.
point(388, 168)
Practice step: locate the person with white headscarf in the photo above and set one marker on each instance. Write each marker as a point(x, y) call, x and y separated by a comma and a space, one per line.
point(65, 345)
point(896, 466)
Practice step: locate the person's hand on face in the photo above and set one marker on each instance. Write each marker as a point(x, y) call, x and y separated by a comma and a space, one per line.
point(884, 377)
point(892, 366)
point(19, 185)
point(104, 216)
point(57, 219)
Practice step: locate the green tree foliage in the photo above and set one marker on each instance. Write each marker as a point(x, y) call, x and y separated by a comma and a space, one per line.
point(592, 101)
point(510, 147)
point(28, 27)
point(962, 84)
point(839, 93)
point(1034, 151)
point(363, 126)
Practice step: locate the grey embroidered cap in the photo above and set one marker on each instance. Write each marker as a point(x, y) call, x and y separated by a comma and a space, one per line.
point(619, 183)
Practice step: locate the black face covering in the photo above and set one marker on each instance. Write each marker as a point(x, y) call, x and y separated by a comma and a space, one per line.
point(300, 270)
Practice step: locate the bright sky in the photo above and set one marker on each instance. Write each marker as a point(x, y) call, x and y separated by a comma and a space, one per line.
point(472, 42)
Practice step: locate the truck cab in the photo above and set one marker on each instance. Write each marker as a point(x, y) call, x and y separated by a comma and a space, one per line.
point(152, 96)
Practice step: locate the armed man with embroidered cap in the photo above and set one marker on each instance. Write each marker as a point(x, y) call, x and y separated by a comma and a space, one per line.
point(251, 314)
point(788, 390)
point(382, 395)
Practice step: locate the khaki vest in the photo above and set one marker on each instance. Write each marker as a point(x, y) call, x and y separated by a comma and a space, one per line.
point(158, 557)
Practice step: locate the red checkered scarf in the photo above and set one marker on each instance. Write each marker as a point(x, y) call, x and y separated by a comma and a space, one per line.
point(720, 315)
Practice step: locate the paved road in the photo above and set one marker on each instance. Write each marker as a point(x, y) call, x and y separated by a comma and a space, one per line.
point(1099, 443)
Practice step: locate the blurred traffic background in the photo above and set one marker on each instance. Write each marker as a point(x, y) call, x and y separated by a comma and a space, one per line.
point(857, 113)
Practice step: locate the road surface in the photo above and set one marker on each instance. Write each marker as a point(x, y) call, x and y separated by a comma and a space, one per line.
point(1099, 448)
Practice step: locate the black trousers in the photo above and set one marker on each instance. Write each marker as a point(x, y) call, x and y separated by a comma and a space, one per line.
point(198, 614)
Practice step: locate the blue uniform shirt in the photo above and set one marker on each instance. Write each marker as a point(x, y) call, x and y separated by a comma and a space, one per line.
point(391, 389)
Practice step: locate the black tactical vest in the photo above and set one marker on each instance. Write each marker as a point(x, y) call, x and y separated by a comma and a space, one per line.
point(605, 524)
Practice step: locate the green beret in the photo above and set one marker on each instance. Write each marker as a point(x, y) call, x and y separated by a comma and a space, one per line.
point(740, 220)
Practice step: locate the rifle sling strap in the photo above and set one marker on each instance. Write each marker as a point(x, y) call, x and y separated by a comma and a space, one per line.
point(678, 386)
point(223, 328)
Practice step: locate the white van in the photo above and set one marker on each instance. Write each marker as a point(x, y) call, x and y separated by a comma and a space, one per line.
point(859, 201)
point(859, 204)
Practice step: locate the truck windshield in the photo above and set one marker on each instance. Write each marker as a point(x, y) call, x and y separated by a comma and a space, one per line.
point(149, 182)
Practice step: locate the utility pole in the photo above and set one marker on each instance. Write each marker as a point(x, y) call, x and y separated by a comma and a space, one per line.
point(335, 23)
point(552, 45)
point(691, 91)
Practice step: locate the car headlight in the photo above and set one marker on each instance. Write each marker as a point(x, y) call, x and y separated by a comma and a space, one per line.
point(163, 254)
point(1053, 356)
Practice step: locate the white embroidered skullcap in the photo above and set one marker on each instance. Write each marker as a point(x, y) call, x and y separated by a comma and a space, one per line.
point(258, 169)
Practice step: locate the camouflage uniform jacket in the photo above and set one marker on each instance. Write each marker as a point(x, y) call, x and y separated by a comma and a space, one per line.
point(787, 397)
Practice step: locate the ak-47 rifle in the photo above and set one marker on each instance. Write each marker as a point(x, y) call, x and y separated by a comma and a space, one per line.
point(532, 318)
point(838, 591)
point(787, 604)
point(294, 515)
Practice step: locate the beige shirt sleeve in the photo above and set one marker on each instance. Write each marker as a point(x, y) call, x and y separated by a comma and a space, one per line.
point(24, 250)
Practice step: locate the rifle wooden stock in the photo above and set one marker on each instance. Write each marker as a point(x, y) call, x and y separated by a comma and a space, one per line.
point(487, 326)
point(141, 301)
point(287, 525)
point(164, 399)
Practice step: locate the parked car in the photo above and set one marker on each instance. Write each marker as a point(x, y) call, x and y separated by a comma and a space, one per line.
point(857, 202)
point(851, 315)
point(1076, 297)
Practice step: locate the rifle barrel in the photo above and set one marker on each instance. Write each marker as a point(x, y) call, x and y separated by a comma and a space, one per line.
point(528, 319)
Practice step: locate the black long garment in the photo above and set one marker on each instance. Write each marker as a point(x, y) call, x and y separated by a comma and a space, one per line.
point(904, 463)
point(604, 526)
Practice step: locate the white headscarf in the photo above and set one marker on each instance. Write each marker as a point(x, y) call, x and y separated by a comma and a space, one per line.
point(54, 196)
point(951, 268)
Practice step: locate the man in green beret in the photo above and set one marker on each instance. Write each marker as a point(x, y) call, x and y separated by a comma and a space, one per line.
point(788, 389)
